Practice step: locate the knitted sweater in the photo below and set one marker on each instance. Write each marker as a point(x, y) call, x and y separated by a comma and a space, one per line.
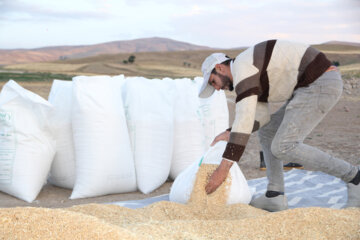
point(268, 72)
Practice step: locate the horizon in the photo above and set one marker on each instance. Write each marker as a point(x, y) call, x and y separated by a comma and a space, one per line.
point(56, 46)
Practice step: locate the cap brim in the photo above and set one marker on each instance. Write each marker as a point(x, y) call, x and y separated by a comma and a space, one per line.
point(206, 89)
point(207, 92)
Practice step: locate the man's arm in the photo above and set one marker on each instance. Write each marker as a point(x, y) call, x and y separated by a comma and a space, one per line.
point(241, 128)
point(224, 136)
point(240, 133)
point(247, 86)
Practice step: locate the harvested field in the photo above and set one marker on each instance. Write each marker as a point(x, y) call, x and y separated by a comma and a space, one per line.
point(48, 67)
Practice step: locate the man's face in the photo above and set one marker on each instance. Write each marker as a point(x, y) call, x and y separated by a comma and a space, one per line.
point(220, 81)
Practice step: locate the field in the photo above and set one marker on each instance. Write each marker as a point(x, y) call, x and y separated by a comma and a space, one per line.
point(156, 64)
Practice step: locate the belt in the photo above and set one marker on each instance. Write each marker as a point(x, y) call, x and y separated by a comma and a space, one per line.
point(332, 68)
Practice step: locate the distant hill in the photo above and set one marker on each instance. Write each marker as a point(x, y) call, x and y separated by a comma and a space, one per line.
point(45, 54)
point(174, 64)
point(350, 51)
point(342, 43)
point(155, 58)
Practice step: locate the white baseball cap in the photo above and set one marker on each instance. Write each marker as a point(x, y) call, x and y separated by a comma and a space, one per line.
point(208, 65)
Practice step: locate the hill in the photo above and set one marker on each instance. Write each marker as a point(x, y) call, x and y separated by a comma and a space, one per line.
point(174, 64)
point(46, 54)
point(342, 43)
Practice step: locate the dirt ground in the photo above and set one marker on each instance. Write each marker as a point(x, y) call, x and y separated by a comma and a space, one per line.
point(338, 134)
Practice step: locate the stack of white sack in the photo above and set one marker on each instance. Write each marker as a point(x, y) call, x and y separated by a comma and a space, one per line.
point(239, 191)
point(169, 127)
point(27, 143)
point(113, 134)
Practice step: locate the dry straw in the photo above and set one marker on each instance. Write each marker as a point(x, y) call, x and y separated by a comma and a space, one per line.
point(205, 217)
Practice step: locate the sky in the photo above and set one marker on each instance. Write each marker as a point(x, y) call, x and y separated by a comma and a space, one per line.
point(212, 23)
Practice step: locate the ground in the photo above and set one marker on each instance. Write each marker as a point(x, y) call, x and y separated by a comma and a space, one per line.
point(338, 134)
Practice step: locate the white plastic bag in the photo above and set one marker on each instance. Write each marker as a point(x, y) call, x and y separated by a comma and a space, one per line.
point(149, 112)
point(183, 185)
point(188, 130)
point(62, 172)
point(104, 161)
point(27, 144)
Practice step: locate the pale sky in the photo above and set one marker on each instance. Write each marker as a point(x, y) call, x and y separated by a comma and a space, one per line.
point(213, 23)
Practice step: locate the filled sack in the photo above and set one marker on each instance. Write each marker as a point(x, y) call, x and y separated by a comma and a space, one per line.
point(62, 172)
point(27, 143)
point(214, 114)
point(104, 161)
point(149, 111)
point(239, 191)
point(188, 130)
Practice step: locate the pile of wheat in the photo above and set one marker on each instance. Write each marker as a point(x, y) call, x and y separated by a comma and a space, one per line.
point(205, 217)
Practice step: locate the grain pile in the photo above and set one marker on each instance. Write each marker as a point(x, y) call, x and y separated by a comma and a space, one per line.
point(205, 217)
point(43, 223)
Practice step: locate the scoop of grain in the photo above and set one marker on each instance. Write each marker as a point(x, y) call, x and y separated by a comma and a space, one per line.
point(199, 196)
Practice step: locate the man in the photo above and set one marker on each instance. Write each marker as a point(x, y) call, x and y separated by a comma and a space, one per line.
point(277, 71)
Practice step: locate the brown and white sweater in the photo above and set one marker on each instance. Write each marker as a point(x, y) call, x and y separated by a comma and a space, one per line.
point(268, 72)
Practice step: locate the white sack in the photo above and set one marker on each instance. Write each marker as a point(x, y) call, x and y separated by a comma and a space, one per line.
point(104, 162)
point(188, 130)
point(62, 172)
point(183, 185)
point(27, 145)
point(215, 114)
point(149, 112)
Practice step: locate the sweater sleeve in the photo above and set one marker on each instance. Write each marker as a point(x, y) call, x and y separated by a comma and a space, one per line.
point(262, 116)
point(241, 128)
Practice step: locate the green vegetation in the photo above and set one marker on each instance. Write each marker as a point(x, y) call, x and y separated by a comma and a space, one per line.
point(186, 64)
point(131, 59)
point(335, 63)
point(32, 77)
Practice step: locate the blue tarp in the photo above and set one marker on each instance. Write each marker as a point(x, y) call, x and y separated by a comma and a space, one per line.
point(302, 188)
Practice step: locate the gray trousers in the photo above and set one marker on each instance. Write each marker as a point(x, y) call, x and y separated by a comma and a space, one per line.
point(282, 138)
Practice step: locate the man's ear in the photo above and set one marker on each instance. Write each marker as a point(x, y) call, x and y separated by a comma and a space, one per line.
point(219, 67)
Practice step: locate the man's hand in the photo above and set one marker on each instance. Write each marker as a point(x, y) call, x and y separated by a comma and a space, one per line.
point(224, 136)
point(218, 176)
